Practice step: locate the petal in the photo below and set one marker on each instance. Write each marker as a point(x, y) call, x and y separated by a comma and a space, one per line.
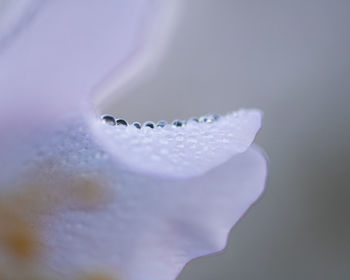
point(195, 216)
point(52, 62)
point(53, 54)
point(150, 226)
point(156, 226)
point(180, 151)
point(14, 15)
point(141, 214)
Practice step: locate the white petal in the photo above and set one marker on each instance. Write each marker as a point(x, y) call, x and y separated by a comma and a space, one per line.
point(155, 226)
point(151, 226)
point(51, 64)
point(14, 15)
point(180, 151)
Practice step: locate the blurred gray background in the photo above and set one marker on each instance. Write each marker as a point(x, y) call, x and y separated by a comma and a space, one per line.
point(292, 60)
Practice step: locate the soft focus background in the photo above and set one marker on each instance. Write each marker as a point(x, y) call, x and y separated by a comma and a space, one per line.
point(292, 60)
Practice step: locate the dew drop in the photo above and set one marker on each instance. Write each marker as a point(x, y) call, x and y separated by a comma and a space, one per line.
point(108, 119)
point(193, 120)
point(162, 124)
point(177, 123)
point(216, 117)
point(203, 119)
point(149, 124)
point(121, 122)
point(137, 125)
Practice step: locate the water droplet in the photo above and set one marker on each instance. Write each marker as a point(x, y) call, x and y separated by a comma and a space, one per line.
point(193, 120)
point(149, 124)
point(137, 125)
point(162, 124)
point(216, 117)
point(211, 118)
point(177, 123)
point(121, 122)
point(203, 119)
point(108, 119)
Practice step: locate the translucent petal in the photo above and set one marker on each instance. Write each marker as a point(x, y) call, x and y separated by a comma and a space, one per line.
point(180, 151)
point(149, 226)
point(157, 226)
point(51, 61)
point(14, 15)
point(136, 203)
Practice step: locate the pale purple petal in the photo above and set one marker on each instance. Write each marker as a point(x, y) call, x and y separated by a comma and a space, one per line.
point(173, 193)
point(52, 56)
point(151, 225)
point(180, 151)
point(51, 62)
point(158, 225)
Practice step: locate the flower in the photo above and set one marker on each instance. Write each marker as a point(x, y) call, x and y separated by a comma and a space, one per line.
point(82, 199)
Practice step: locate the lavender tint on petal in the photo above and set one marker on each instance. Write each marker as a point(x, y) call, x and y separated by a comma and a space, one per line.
point(14, 16)
point(185, 151)
point(151, 226)
point(65, 51)
point(173, 192)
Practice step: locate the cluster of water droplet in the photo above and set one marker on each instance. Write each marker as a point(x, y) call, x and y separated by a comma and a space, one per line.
point(178, 147)
point(111, 120)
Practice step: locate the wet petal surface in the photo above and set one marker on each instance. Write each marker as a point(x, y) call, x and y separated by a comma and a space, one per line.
point(83, 198)
point(150, 226)
point(180, 151)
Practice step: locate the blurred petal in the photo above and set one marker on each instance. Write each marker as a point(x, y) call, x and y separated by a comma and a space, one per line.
point(53, 54)
point(51, 63)
point(14, 15)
